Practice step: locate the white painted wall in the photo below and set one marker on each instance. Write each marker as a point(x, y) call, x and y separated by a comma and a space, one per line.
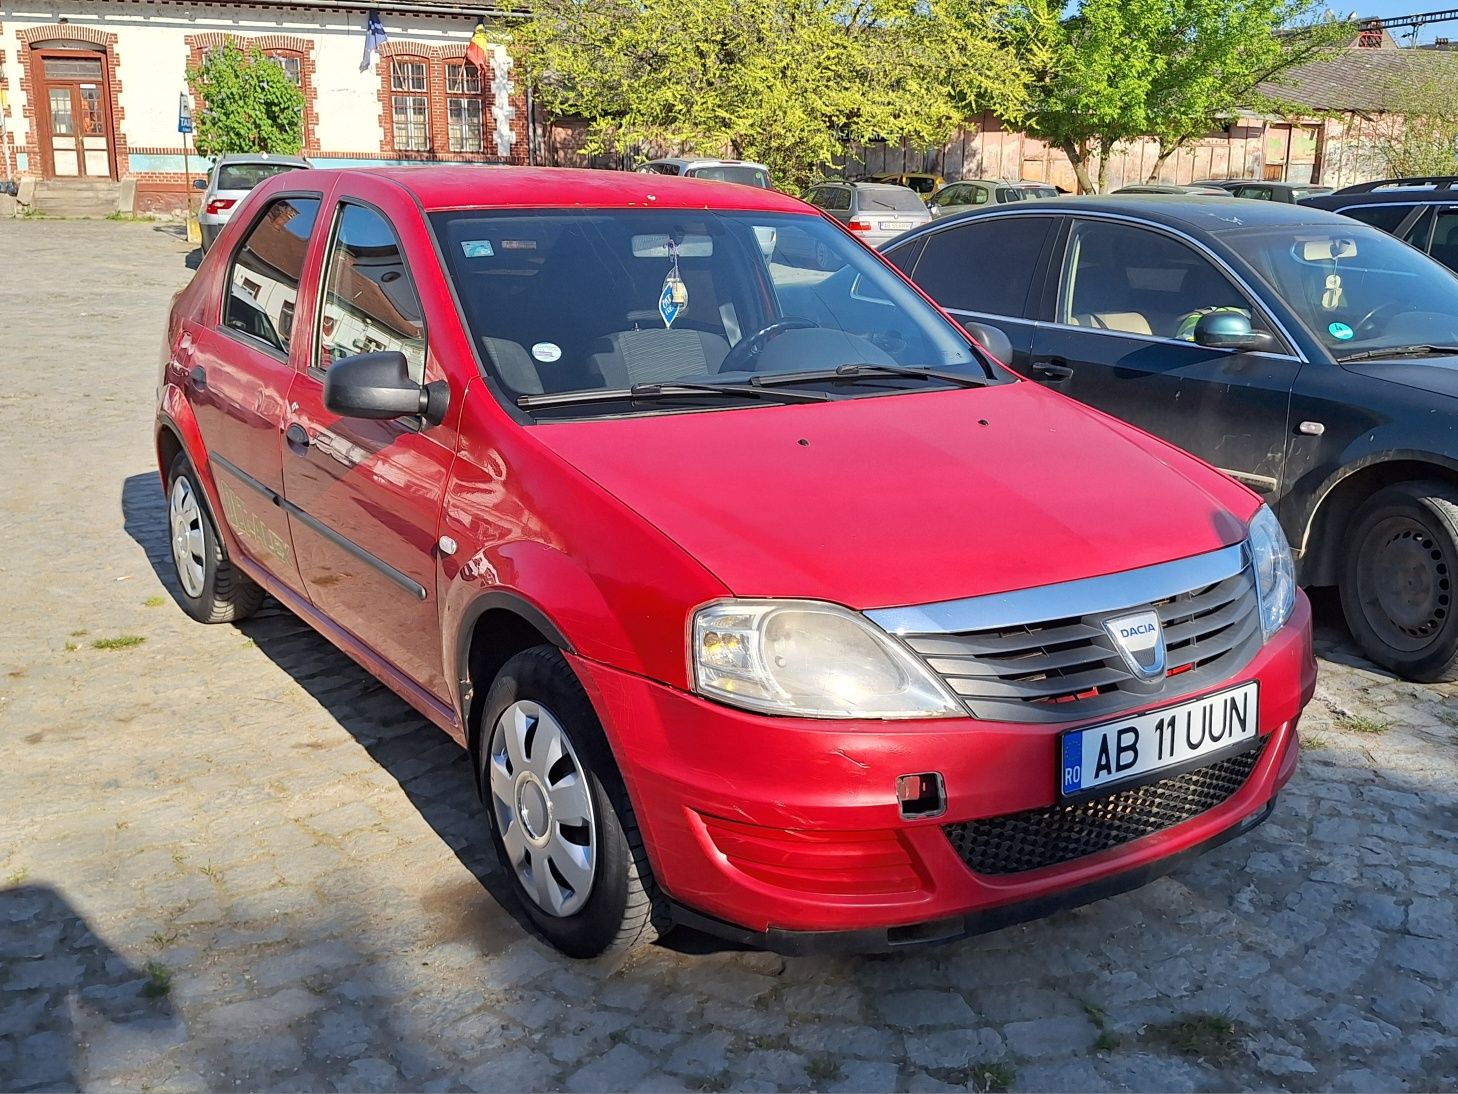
point(152, 52)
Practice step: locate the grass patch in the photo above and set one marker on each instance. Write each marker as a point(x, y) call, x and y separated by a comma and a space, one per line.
point(80, 634)
point(822, 1069)
point(992, 1078)
point(159, 980)
point(121, 642)
point(1214, 1038)
point(162, 939)
point(212, 873)
point(709, 1084)
point(1357, 723)
point(1314, 742)
point(154, 602)
point(16, 674)
point(769, 1041)
point(18, 877)
point(71, 647)
point(130, 218)
point(1448, 718)
point(1106, 1042)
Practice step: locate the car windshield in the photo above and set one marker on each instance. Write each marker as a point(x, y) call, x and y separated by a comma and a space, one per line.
point(730, 172)
point(603, 300)
point(895, 198)
point(245, 176)
point(1358, 289)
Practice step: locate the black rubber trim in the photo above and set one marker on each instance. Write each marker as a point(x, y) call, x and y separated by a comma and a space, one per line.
point(897, 939)
point(405, 581)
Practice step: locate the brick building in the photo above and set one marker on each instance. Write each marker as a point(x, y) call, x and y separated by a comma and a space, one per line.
point(89, 90)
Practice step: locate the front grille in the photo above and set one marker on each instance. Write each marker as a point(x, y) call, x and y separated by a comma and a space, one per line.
point(1059, 670)
point(1016, 842)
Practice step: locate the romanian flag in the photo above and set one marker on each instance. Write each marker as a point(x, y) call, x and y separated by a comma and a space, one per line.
point(476, 52)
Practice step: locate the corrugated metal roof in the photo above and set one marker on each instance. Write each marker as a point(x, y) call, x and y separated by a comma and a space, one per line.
point(1363, 80)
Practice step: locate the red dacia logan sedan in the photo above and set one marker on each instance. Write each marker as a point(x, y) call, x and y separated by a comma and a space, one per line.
point(763, 599)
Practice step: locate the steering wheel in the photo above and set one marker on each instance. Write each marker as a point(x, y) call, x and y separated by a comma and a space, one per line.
point(1377, 319)
point(741, 356)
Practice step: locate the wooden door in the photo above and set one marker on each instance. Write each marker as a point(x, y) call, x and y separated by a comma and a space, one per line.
point(75, 111)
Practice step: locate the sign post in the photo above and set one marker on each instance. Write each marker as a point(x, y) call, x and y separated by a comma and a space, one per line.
point(184, 127)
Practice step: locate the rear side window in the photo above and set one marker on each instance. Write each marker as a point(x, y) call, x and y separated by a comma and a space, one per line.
point(986, 266)
point(263, 280)
point(370, 303)
point(1388, 218)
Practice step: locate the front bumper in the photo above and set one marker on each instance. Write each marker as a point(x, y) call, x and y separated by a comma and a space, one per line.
point(787, 831)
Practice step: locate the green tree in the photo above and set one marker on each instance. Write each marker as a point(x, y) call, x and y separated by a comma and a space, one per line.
point(246, 103)
point(1421, 136)
point(784, 82)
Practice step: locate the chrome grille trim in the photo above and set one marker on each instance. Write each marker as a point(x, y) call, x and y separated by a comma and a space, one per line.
point(1012, 666)
point(1107, 593)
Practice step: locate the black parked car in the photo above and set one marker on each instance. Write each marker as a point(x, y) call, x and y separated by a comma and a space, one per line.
point(1310, 357)
point(1420, 211)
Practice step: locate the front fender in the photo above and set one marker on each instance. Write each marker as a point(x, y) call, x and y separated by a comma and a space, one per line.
point(174, 415)
point(1312, 491)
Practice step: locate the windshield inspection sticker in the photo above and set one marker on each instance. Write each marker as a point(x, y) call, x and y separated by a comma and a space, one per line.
point(477, 248)
point(547, 352)
point(1340, 330)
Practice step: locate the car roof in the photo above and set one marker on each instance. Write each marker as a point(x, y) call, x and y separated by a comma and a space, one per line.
point(485, 187)
point(1180, 211)
point(1412, 195)
point(704, 161)
point(260, 157)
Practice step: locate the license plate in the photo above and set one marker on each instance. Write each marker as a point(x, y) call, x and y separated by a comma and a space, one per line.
point(1175, 738)
point(895, 225)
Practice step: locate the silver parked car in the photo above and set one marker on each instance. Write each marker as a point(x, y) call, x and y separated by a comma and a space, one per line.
point(966, 193)
point(875, 211)
point(744, 172)
point(228, 183)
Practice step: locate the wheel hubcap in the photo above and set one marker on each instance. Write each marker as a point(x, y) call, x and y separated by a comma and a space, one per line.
point(543, 808)
point(1409, 584)
point(188, 545)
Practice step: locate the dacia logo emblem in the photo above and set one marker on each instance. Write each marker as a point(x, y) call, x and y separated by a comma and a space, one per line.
point(1139, 638)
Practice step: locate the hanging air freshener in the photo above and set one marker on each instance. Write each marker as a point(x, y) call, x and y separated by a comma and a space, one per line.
point(673, 299)
point(1331, 299)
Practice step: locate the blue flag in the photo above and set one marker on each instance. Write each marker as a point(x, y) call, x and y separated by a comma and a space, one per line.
point(375, 37)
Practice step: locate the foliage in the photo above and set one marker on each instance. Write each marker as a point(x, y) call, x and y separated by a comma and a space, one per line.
point(246, 103)
point(1117, 70)
point(784, 82)
point(1424, 139)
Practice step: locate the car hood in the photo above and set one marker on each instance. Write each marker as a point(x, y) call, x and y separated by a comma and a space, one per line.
point(1436, 374)
point(911, 498)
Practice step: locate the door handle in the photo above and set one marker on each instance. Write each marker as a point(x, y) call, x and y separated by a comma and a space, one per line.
point(297, 436)
point(198, 378)
point(1053, 371)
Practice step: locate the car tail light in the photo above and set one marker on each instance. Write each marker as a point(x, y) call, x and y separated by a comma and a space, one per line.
point(861, 224)
point(219, 205)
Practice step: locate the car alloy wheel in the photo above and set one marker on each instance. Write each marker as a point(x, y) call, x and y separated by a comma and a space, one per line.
point(189, 545)
point(543, 808)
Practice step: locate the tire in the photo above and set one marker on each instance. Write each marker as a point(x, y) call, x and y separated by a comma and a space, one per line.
point(209, 587)
point(1399, 581)
point(534, 700)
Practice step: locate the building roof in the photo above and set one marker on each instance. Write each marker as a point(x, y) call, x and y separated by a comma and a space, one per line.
point(1360, 79)
point(499, 9)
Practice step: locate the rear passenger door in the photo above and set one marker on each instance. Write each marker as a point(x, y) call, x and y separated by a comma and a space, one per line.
point(364, 496)
point(238, 374)
point(1444, 245)
point(1125, 301)
point(984, 270)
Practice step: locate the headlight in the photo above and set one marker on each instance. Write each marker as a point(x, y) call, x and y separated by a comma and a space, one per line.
point(1274, 572)
point(810, 659)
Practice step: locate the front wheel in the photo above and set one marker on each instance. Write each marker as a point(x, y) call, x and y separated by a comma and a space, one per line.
point(559, 813)
point(211, 589)
point(1398, 580)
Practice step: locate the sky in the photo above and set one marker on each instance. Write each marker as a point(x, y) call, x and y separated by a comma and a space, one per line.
point(1387, 9)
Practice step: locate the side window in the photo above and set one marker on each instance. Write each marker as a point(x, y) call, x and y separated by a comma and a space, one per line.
point(1116, 277)
point(263, 281)
point(1445, 238)
point(1418, 231)
point(979, 195)
point(904, 257)
point(816, 197)
point(953, 195)
point(1388, 218)
point(987, 266)
point(840, 198)
point(1259, 193)
point(370, 302)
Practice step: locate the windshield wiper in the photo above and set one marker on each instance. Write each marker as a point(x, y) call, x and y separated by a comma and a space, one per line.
point(1397, 351)
point(673, 389)
point(867, 370)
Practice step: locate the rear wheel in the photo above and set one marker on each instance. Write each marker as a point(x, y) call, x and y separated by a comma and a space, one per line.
point(559, 813)
point(210, 588)
point(1400, 580)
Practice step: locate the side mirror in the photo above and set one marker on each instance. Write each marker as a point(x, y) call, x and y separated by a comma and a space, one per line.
point(378, 385)
point(1230, 330)
point(933, 208)
point(199, 184)
point(992, 339)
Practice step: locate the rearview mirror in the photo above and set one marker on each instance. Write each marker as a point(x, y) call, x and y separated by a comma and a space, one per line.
point(992, 339)
point(378, 385)
point(199, 184)
point(1230, 330)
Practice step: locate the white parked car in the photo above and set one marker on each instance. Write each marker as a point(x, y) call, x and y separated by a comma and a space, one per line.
point(229, 182)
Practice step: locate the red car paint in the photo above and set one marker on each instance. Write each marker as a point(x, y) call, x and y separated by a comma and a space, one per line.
point(607, 535)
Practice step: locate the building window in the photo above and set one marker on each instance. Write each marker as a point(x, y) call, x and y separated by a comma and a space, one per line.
point(410, 105)
point(292, 66)
point(463, 108)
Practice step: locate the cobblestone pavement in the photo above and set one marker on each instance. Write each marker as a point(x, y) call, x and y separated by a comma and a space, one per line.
point(229, 859)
